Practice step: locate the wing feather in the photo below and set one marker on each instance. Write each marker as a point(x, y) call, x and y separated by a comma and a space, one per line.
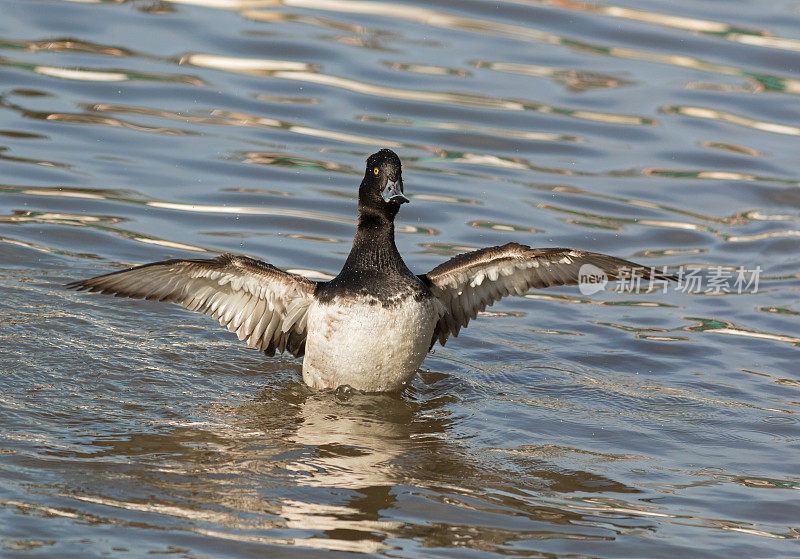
point(247, 296)
point(470, 282)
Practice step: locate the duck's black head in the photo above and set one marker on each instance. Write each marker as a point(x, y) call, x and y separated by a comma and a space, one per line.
point(381, 190)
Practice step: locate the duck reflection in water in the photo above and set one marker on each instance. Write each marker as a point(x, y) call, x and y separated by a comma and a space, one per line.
point(371, 326)
point(325, 469)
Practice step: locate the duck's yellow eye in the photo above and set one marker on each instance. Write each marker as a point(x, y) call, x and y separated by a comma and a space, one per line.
point(376, 171)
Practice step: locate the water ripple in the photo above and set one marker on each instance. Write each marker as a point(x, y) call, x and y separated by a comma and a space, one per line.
point(714, 29)
point(699, 112)
point(558, 424)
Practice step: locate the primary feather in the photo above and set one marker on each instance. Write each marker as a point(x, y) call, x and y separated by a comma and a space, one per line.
point(468, 283)
point(258, 302)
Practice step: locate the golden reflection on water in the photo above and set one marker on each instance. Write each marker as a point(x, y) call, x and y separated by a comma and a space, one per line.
point(713, 28)
point(241, 119)
point(315, 238)
point(307, 73)
point(588, 301)
point(717, 326)
point(312, 516)
point(32, 161)
point(49, 250)
point(447, 249)
point(497, 161)
point(741, 218)
point(64, 45)
point(255, 66)
point(733, 147)
point(285, 160)
point(182, 207)
point(366, 449)
point(762, 82)
point(650, 253)
point(361, 459)
point(425, 16)
point(779, 310)
point(715, 175)
point(227, 4)
point(75, 74)
point(504, 227)
point(428, 69)
point(574, 80)
point(95, 119)
point(783, 381)
point(713, 114)
point(228, 118)
point(476, 128)
point(444, 198)
point(249, 210)
point(287, 99)
point(100, 223)
point(22, 135)
point(559, 451)
point(125, 109)
point(97, 75)
point(267, 191)
point(761, 236)
point(615, 222)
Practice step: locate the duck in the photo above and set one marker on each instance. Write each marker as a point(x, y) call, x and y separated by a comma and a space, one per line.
point(370, 327)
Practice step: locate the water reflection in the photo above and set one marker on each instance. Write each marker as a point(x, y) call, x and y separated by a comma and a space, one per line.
point(121, 197)
point(587, 301)
point(732, 147)
point(763, 82)
point(713, 28)
point(32, 161)
point(713, 114)
point(779, 310)
point(96, 222)
point(497, 161)
point(241, 119)
point(427, 69)
point(336, 466)
point(717, 326)
point(573, 80)
point(75, 118)
point(716, 175)
point(302, 72)
point(65, 45)
point(286, 160)
point(738, 219)
point(97, 75)
point(781, 381)
point(228, 118)
point(475, 128)
point(42, 248)
point(503, 227)
point(563, 426)
point(255, 66)
point(617, 223)
point(84, 118)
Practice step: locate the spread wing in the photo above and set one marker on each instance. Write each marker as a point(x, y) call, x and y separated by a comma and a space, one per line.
point(259, 302)
point(468, 283)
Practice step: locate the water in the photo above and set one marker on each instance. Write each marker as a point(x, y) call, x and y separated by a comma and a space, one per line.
point(559, 425)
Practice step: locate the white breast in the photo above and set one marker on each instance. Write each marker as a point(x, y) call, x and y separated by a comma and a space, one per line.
point(368, 347)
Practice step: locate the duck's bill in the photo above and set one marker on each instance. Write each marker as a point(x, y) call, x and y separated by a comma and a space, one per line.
point(393, 192)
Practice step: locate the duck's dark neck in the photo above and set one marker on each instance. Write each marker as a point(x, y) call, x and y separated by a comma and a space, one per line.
point(373, 245)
